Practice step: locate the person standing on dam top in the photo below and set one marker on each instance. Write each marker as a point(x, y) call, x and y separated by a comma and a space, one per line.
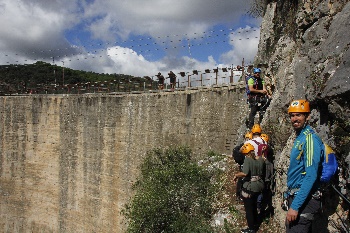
point(257, 96)
point(172, 78)
point(160, 81)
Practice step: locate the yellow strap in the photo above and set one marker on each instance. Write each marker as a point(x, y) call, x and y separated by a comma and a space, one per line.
point(299, 156)
point(301, 151)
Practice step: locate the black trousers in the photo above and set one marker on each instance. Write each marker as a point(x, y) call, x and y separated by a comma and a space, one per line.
point(303, 224)
point(239, 187)
point(255, 106)
point(251, 211)
point(266, 202)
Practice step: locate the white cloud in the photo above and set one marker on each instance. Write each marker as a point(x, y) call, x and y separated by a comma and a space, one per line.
point(161, 17)
point(30, 30)
point(244, 45)
point(45, 30)
point(129, 62)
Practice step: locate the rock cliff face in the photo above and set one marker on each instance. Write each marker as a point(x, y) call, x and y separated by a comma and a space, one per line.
point(304, 48)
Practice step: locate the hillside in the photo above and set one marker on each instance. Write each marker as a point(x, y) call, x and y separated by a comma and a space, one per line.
point(44, 78)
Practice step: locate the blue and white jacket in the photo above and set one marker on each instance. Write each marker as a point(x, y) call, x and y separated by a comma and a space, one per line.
point(305, 166)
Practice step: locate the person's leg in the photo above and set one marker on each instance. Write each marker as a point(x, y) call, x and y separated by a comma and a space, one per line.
point(261, 115)
point(301, 225)
point(255, 211)
point(304, 220)
point(253, 110)
point(249, 210)
point(267, 202)
point(265, 102)
point(270, 209)
point(264, 201)
point(260, 201)
point(239, 187)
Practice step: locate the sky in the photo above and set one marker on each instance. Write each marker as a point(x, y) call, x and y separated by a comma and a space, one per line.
point(133, 37)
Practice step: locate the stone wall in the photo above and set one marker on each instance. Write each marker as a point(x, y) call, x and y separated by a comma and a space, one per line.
point(68, 162)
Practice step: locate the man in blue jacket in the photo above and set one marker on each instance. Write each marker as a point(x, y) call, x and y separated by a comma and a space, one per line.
point(303, 177)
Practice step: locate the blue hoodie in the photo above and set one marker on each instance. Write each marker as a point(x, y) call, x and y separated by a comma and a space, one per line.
point(304, 168)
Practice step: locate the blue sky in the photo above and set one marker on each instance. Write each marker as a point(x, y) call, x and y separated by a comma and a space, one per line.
point(135, 37)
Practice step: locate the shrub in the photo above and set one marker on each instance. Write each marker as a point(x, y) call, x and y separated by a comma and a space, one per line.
point(172, 194)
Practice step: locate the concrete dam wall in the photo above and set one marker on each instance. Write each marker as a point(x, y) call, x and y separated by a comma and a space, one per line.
point(68, 162)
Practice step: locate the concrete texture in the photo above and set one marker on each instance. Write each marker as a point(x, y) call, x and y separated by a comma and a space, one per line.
point(68, 162)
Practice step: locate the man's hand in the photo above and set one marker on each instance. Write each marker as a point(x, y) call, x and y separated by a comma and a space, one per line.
point(292, 215)
point(234, 179)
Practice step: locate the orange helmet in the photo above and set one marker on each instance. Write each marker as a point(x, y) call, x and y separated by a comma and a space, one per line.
point(299, 106)
point(256, 129)
point(246, 148)
point(248, 135)
point(265, 137)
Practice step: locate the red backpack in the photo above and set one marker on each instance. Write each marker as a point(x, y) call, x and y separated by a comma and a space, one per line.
point(262, 148)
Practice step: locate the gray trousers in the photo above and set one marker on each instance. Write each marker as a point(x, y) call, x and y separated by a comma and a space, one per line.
point(303, 224)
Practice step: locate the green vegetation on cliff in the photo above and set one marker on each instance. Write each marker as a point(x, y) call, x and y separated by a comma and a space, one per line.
point(172, 194)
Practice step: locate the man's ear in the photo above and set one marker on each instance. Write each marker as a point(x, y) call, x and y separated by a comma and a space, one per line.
point(308, 116)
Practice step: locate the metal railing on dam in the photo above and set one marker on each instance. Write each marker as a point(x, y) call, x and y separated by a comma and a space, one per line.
point(114, 89)
point(205, 80)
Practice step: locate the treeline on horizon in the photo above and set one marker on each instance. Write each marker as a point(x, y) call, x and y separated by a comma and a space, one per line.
point(18, 78)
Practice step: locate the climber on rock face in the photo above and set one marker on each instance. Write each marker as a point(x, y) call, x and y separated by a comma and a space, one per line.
point(257, 96)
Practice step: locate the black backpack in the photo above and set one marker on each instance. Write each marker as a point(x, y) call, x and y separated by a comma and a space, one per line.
point(237, 155)
point(246, 84)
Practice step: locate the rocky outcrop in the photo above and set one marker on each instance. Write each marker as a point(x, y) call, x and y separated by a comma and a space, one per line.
point(313, 63)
